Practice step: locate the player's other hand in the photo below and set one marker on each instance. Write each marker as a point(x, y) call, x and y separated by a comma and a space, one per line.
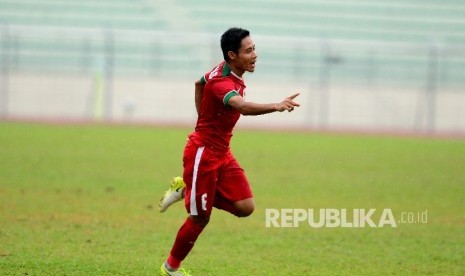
point(288, 103)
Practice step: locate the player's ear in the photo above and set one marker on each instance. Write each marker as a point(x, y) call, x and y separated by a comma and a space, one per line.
point(232, 55)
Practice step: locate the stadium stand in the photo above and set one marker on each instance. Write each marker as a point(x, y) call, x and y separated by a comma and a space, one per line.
point(84, 13)
point(406, 21)
point(426, 23)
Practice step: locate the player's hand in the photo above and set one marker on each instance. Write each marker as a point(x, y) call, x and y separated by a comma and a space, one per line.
point(288, 103)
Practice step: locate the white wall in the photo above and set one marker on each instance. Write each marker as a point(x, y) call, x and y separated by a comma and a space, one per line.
point(171, 101)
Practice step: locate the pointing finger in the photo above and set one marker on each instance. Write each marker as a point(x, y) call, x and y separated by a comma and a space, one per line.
point(293, 96)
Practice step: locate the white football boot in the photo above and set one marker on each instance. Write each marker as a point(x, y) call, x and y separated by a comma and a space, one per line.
point(174, 194)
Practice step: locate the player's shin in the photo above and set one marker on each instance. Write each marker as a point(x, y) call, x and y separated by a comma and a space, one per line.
point(185, 240)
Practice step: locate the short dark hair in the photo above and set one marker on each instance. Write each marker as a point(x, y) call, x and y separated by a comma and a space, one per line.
point(231, 40)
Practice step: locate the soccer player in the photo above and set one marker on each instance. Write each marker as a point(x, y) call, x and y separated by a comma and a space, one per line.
point(212, 177)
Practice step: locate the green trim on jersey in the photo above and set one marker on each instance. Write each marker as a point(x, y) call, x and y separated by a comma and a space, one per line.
point(228, 96)
point(203, 80)
point(226, 70)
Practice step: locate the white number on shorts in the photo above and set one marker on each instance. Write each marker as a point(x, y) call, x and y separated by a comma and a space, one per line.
point(204, 202)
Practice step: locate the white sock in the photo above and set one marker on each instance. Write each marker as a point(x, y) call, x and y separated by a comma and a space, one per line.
point(169, 268)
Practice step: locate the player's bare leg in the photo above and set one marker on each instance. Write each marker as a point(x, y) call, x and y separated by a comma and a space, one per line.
point(245, 207)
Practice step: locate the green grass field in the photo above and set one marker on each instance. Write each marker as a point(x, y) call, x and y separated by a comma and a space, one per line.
point(82, 200)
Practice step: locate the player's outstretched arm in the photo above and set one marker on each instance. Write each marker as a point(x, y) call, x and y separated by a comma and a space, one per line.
point(251, 108)
point(198, 94)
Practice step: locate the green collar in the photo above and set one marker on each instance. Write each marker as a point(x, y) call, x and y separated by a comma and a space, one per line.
point(226, 70)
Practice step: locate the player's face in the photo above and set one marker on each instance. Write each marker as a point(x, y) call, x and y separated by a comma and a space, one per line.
point(246, 56)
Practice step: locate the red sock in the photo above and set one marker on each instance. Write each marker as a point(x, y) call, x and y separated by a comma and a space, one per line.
point(187, 235)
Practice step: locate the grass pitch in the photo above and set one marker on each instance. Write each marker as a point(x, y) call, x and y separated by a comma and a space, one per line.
point(81, 200)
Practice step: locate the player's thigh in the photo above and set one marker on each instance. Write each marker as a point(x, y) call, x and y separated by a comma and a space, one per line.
point(233, 184)
point(200, 174)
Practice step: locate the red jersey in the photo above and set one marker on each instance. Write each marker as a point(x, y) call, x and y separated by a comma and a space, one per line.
point(216, 118)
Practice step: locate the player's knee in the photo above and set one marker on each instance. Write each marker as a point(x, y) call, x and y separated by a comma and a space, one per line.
point(202, 221)
point(246, 209)
point(245, 212)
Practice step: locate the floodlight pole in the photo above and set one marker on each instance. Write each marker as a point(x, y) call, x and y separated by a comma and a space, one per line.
point(86, 57)
point(5, 71)
point(157, 61)
point(324, 82)
point(108, 71)
point(431, 87)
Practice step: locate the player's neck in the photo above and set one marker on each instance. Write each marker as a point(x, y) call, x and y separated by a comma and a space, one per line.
point(235, 70)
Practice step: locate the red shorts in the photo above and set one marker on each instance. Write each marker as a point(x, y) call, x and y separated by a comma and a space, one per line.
point(211, 177)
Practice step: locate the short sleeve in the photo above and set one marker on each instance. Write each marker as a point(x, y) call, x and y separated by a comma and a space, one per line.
point(224, 89)
point(203, 80)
